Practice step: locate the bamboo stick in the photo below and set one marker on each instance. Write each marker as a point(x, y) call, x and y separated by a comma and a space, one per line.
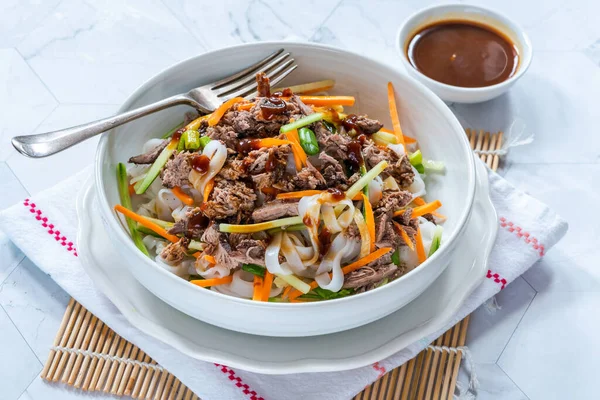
point(77, 345)
point(136, 355)
point(66, 321)
point(103, 341)
point(64, 356)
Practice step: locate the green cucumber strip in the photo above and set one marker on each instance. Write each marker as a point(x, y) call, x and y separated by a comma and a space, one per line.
point(126, 202)
point(156, 167)
point(436, 241)
point(309, 119)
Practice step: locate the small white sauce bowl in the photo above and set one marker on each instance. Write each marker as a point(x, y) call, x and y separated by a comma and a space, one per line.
point(461, 12)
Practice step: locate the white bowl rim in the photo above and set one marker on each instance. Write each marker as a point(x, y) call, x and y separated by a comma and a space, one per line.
point(429, 95)
point(526, 57)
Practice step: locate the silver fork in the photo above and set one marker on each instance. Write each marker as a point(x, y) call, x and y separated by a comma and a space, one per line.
point(204, 98)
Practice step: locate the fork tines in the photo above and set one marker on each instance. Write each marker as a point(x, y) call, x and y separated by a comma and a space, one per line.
point(243, 84)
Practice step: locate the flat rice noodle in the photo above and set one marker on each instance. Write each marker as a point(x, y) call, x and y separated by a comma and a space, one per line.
point(332, 262)
point(365, 239)
point(272, 256)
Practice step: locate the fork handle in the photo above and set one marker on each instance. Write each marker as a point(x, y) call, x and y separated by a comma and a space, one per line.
point(45, 144)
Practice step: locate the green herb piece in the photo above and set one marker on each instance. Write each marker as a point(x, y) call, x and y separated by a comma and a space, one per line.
point(308, 141)
point(396, 257)
point(436, 241)
point(254, 269)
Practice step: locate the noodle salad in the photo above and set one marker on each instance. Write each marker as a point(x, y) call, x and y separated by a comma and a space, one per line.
point(283, 198)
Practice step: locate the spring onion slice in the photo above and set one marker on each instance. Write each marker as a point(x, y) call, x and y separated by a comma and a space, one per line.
point(262, 226)
point(416, 158)
point(309, 119)
point(436, 241)
point(254, 269)
point(365, 179)
point(296, 283)
point(126, 202)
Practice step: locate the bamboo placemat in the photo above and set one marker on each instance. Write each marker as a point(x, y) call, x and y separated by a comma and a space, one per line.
point(88, 355)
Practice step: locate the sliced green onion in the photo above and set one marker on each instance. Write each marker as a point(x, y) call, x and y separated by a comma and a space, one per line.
point(181, 144)
point(254, 269)
point(126, 202)
point(291, 228)
point(192, 139)
point(365, 179)
point(434, 166)
point(204, 140)
point(262, 226)
point(156, 167)
point(309, 119)
point(420, 169)
point(384, 138)
point(416, 158)
point(172, 131)
point(396, 257)
point(194, 245)
point(436, 241)
point(384, 281)
point(296, 283)
point(308, 141)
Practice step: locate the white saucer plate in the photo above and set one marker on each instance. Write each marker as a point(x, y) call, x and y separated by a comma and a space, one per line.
point(354, 348)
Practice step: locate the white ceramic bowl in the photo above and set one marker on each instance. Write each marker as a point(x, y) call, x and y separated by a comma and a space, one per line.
point(423, 115)
point(464, 12)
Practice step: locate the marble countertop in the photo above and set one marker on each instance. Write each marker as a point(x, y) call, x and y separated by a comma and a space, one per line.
point(71, 61)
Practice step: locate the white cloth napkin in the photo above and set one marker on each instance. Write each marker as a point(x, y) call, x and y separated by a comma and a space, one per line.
point(45, 226)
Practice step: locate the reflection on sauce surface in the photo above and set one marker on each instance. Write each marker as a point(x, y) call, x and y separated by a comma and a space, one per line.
point(272, 106)
point(200, 163)
point(462, 53)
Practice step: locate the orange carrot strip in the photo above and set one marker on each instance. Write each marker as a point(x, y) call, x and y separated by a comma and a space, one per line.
point(295, 300)
point(266, 287)
point(370, 220)
point(147, 223)
point(420, 248)
point(271, 142)
point(197, 254)
point(257, 288)
point(420, 202)
point(131, 189)
point(297, 195)
point(300, 157)
point(286, 291)
point(421, 210)
point(212, 282)
point(210, 259)
point(328, 100)
point(366, 260)
point(407, 139)
point(404, 235)
point(269, 190)
point(245, 106)
point(207, 189)
point(349, 268)
point(394, 115)
point(216, 116)
point(184, 197)
point(195, 124)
